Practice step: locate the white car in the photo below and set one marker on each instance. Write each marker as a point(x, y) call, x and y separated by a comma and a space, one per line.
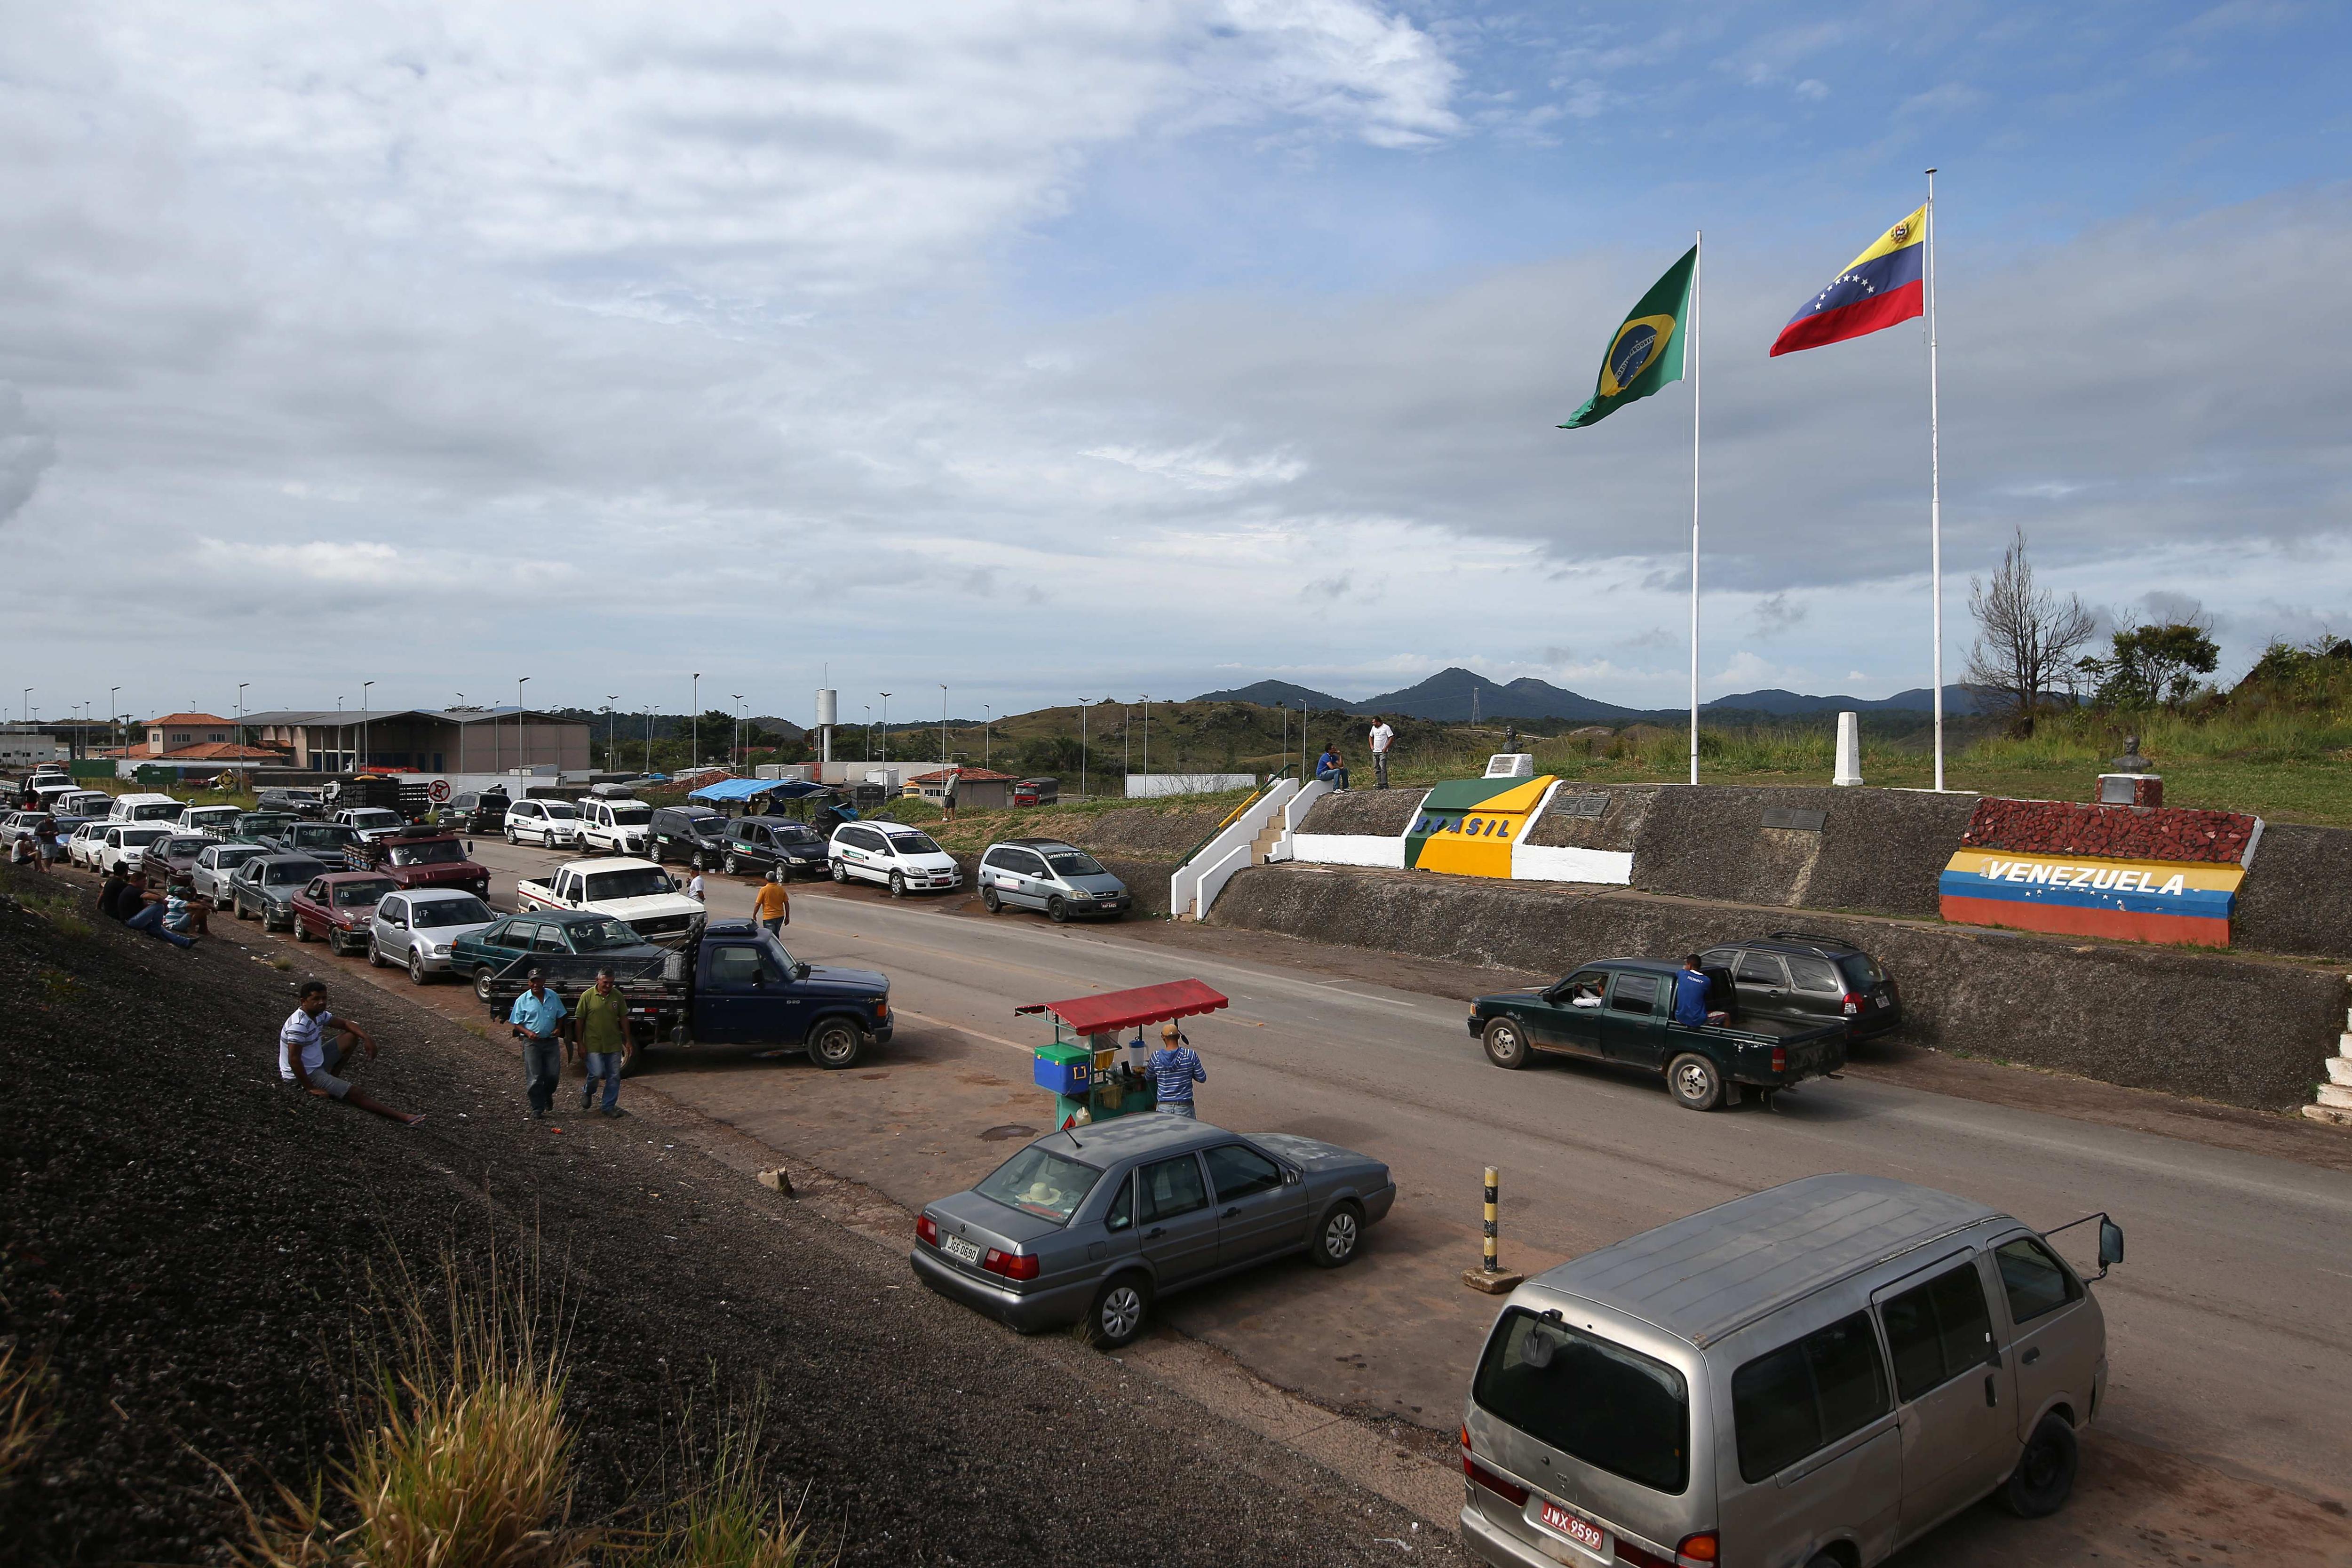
point(615, 826)
point(83, 802)
point(82, 844)
point(415, 929)
point(901, 858)
point(637, 892)
point(157, 808)
point(212, 820)
point(371, 821)
point(124, 843)
point(550, 823)
point(216, 864)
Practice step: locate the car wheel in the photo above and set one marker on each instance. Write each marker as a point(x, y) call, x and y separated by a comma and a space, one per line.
point(990, 902)
point(1337, 1238)
point(301, 932)
point(418, 974)
point(376, 959)
point(1697, 1082)
point(727, 866)
point(2044, 1476)
point(836, 1043)
point(783, 870)
point(511, 838)
point(482, 978)
point(1120, 1309)
point(1507, 1043)
point(897, 885)
point(840, 872)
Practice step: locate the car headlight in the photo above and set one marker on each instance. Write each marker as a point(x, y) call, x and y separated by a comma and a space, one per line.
point(437, 949)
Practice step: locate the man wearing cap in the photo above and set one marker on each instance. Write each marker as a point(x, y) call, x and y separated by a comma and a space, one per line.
point(537, 1019)
point(1175, 1067)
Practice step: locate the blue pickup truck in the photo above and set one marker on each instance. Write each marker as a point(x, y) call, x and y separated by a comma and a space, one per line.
point(732, 985)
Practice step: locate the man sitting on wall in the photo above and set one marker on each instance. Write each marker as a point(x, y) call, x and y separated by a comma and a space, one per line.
point(1328, 768)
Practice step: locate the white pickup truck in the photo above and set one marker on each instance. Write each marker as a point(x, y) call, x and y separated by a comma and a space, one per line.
point(638, 893)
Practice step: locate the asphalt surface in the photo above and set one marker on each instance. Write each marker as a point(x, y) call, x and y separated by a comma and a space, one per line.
point(2225, 1323)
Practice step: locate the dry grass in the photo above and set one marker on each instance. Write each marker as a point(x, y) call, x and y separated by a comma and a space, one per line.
point(727, 1517)
point(466, 1461)
point(24, 1413)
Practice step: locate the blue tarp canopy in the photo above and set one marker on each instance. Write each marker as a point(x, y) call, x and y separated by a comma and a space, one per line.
point(748, 789)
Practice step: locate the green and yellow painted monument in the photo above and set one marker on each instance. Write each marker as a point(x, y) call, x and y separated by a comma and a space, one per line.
point(1467, 826)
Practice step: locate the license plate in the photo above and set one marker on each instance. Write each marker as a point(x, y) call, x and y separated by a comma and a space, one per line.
point(1585, 1534)
point(957, 1247)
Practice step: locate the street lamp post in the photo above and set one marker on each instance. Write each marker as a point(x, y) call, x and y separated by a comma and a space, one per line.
point(363, 721)
point(869, 729)
point(886, 726)
point(523, 735)
point(112, 708)
point(735, 743)
point(987, 719)
point(612, 721)
point(693, 725)
point(342, 738)
point(944, 725)
point(649, 737)
point(1082, 747)
point(240, 720)
point(1146, 700)
point(461, 738)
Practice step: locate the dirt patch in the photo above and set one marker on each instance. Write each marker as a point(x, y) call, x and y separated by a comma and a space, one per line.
point(2298, 896)
point(188, 1241)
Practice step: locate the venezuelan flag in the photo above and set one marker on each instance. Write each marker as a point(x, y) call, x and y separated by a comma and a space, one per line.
point(1879, 287)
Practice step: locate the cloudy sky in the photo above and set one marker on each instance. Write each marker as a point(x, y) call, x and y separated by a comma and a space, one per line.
point(1060, 350)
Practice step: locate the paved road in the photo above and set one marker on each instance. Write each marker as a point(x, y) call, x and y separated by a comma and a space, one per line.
point(2226, 1323)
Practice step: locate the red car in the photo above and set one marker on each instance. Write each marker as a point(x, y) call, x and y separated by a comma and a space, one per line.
point(338, 909)
point(421, 857)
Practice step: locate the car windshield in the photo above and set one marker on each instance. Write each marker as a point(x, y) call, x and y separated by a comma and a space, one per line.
point(186, 846)
point(144, 834)
point(432, 852)
point(560, 809)
point(354, 895)
point(1591, 1399)
point(913, 843)
point(236, 854)
point(797, 833)
point(632, 815)
point(451, 913)
point(212, 813)
point(595, 936)
point(1074, 863)
point(149, 813)
point(325, 833)
point(375, 816)
point(1040, 1182)
point(639, 882)
point(290, 871)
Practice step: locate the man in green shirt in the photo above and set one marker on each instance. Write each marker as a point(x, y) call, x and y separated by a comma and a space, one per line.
point(599, 1021)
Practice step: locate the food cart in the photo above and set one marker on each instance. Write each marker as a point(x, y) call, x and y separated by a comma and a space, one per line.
point(1090, 1074)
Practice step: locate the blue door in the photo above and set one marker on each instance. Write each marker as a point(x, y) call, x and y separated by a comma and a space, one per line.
point(744, 995)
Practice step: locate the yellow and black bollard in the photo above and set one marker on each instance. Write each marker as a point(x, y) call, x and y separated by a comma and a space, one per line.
point(1489, 1276)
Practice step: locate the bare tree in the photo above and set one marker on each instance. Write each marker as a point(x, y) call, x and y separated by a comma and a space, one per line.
point(2026, 639)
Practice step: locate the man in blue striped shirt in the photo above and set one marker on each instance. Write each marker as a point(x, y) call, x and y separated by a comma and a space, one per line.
point(1175, 1067)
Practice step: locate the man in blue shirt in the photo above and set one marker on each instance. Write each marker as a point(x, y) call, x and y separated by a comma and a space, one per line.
point(538, 1018)
point(1690, 993)
point(1174, 1068)
point(1328, 768)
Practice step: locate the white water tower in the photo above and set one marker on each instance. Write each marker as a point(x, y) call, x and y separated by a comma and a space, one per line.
point(828, 714)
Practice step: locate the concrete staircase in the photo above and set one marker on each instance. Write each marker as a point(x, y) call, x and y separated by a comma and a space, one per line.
point(2335, 1095)
point(1262, 848)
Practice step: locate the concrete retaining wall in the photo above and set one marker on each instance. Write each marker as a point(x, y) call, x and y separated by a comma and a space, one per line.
point(2298, 896)
point(2244, 1031)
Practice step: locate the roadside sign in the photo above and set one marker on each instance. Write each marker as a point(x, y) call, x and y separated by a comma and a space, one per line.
point(439, 789)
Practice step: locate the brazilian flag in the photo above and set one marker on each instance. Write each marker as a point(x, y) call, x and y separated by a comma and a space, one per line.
point(1646, 351)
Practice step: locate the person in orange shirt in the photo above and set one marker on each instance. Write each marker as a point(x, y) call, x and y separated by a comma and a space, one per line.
point(773, 907)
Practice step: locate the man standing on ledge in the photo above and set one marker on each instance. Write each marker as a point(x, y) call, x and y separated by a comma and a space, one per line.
point(537, 1018)
point(1383, 737)
point(1175, 1067)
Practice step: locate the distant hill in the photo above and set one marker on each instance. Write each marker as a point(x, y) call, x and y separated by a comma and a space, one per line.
point(1918, 700)
point(1449, 695)
point(1280, 694)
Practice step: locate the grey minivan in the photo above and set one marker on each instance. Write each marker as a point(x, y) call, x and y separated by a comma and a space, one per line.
point(1808, 1377)
point(1046, 873)
point(1093, 1224)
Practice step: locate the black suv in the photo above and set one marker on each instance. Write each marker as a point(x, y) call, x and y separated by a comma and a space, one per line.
point(764, 843)
point(304, 803)
point(695, 833)
point(1809, 979)
point(476, 811)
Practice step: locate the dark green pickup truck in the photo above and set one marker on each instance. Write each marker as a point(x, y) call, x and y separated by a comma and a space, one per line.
point(1622, 1010)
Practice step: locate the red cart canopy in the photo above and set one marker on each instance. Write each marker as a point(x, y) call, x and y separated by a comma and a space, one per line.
point(1115, 1010)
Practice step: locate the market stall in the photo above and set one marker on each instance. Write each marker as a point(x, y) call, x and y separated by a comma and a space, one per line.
point(1090, 1074)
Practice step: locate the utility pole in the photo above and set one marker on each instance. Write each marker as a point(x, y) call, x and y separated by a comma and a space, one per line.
point(1082, 747)
point(869, 729)
point(363, 720)
point(240, 718)
point(734, 745)
point(886, 726)
point(944, 725)
point(694, 724)
point(523, 735)
point(462, 727)
point(987, 719)
point(611, 716)
point(1146, 700)
point(649, 737)
point(113, 709)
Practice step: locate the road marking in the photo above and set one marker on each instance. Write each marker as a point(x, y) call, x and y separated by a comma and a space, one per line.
point(1390, 1001)
point(964, 1029)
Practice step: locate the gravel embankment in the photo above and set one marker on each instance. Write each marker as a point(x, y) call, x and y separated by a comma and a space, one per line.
point(188, 1243)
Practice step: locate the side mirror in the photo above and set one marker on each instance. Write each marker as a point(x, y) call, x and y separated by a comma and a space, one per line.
point(1291, 1178)
point(2110, 1245)
point(799, 970)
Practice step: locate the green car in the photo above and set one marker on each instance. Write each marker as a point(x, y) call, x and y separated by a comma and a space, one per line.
point(480, 955)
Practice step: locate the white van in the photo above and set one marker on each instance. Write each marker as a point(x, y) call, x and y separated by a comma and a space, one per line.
point(1814, 1375)
point(145, 809)
point(900, 858)
point(615, 826)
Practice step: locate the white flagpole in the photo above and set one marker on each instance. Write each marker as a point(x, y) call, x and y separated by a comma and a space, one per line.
point(1934, 487)
point(1696, 239)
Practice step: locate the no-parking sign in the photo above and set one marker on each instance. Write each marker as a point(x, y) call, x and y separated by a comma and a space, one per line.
point(439, 789)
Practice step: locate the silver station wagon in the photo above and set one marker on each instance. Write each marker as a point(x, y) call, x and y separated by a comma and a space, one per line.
point(1093, 1225)
point(1809, 1377)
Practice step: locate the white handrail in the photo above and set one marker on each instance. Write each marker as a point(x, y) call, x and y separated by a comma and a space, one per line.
point(1214, 880)
point(1184, 887)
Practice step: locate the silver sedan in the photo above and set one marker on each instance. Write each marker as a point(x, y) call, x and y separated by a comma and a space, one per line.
point(217, 863)
point(1093, 1225)
point(416, 931)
